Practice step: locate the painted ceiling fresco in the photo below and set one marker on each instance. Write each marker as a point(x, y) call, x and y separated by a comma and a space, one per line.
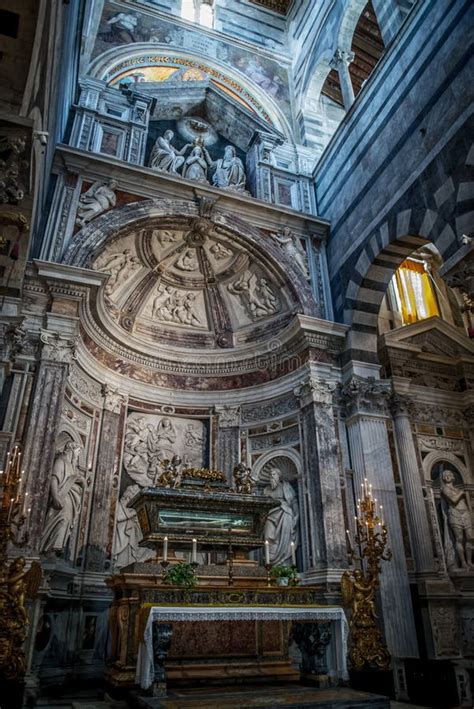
point(137, 27)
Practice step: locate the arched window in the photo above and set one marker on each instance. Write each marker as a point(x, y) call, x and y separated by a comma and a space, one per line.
point(201, 11)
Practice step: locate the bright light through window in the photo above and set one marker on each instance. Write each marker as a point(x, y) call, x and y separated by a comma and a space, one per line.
point(188, 10)
point(206, 15)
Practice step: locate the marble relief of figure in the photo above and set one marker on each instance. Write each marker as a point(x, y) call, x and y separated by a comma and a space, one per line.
point(128, 533)
point(229, 171)
point(187, 261)
point(459, 518)
point(257, 297)
point(119, 266)
point(293, 248)
point(97, 199)
point(195, 166)
point(219, 251)
point(65, 496)
point(165, 156)
point(281, 526)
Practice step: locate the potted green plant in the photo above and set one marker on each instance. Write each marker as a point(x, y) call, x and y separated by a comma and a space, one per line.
point(181, 574)
point(284, 575)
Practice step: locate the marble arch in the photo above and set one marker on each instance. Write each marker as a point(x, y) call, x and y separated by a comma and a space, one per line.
point(439, 456)
point(105, 68)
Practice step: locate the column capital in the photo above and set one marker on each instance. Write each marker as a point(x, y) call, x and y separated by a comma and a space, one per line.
point(113, 398)
point(364, 396)
point(341, 56)
point(229, 416)
point(315, 391)
point(16, 340)
point(57, 348)
point(400, 405)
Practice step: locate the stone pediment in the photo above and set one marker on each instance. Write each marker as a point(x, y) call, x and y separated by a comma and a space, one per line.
point(432, 337)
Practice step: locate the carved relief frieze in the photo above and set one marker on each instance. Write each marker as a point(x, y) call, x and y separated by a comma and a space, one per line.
point(270, 410)
point(444, 624)
point(440, 415)
point(285, 437)
point(451, 445)
point(84, 386)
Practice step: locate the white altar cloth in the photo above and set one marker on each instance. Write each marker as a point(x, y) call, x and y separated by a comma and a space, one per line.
point(166, 614)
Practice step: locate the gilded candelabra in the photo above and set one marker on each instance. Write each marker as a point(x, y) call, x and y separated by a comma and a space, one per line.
point(15, 582)
point(359, 586)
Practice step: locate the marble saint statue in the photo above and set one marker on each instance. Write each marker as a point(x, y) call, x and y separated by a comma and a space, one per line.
point(96, 200)
point(195, 166)
point(459, 517)
point(165, 156)
point(281, 525)
point(128, 533)
point(229, 171)
point(65, 495)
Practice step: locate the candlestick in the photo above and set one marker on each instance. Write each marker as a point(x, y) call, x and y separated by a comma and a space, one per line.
point(293, 553)
point(267, 551)
point(194, 554)
point(165, 549)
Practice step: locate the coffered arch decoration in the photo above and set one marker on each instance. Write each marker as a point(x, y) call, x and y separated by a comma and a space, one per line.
point(183, 281)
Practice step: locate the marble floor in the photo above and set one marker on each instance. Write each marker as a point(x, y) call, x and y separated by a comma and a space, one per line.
point(233, 698)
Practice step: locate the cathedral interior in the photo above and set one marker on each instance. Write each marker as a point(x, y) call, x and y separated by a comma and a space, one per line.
point(236, 359)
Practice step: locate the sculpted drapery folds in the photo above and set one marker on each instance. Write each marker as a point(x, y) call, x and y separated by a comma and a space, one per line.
point(65, 497)
point(165, 156)
point(281, 526)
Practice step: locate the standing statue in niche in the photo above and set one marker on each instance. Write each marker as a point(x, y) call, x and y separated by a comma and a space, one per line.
point(294, 249)
point(281, 526)
point(128, 533)
point(458, 517)
point(195, 166)
point(97, 199)
point(229, 171)
point(65, 495)
point(165, 156)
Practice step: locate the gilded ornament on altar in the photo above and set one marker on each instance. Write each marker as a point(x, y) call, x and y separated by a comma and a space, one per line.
point(359, 586)
point(15, 583)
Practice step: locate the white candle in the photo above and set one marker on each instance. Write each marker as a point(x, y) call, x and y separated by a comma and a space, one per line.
point(194, 555)
point(293, 553)
point(381, 514)
point(165, 549)
point(267, 551)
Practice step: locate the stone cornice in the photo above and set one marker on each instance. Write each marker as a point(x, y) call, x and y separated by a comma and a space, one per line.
point(148, 183)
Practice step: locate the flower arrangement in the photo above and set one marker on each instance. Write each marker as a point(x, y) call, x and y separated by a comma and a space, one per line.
point(181, 574)
point(284, 575)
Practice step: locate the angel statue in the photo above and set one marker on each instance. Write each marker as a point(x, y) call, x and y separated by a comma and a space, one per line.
point(243, 479)
point(97, 199)
point(365, 645)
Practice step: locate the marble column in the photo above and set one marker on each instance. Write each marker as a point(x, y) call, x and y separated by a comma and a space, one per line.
point(327, 544)
point(366, 403)
point(340, 62)
point(228, 438)
point(100, 537)
point(57, 353)
point(419, 528)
